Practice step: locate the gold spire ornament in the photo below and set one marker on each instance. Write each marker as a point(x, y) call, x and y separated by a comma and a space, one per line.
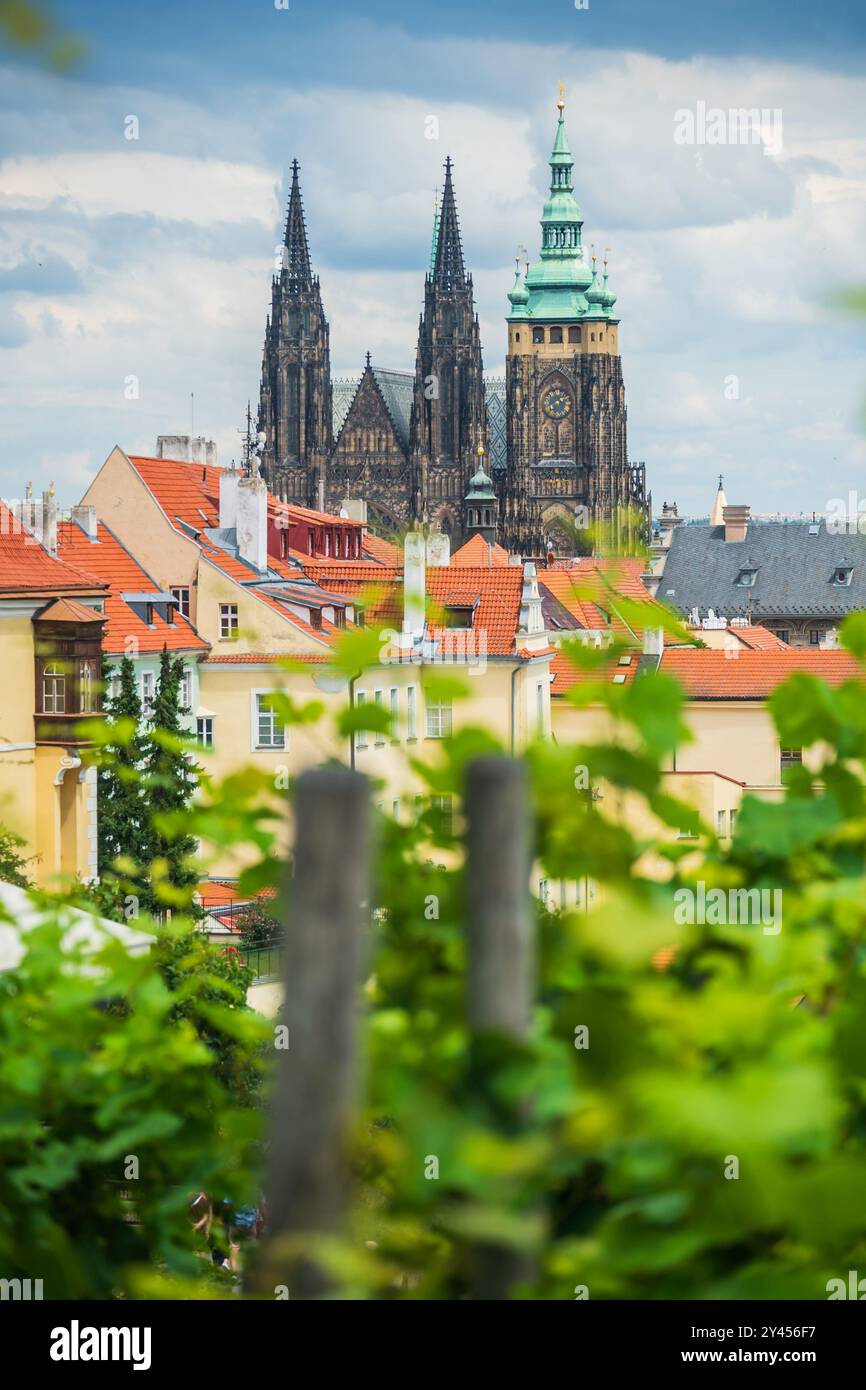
point(561, 103)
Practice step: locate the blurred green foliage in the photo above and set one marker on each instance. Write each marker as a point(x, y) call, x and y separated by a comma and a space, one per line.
point(662, 1056)
point(32, 29)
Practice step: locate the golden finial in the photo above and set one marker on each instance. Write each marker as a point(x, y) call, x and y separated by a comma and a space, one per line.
point(51, 488)
point(606, 254)
point(29, 492)
point(480, 451)
point(561, 103)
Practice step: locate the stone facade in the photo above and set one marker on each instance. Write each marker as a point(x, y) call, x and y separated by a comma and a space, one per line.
point(553, 434)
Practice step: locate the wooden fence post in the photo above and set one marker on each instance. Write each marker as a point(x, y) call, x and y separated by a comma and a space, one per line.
point(501, 947)
point(315, 1071)
point(501, 951)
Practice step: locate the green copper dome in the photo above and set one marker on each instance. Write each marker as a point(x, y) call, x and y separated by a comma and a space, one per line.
point(518, 295)
point(608, 297)
point(480, 487)
point(595, 296)
point(560, 287)
point(556, 284)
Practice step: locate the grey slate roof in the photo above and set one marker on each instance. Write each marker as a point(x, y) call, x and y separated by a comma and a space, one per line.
point(397, 390)
point(342, 395)
point(494, 389)
point(794, 571)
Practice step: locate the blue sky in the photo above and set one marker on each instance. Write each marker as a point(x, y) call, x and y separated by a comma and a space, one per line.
point(151, 258)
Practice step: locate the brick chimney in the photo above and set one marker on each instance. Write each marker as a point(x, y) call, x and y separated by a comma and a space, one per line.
point(736, 519)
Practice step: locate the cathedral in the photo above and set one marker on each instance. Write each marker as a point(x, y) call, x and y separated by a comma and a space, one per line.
point(537, 460)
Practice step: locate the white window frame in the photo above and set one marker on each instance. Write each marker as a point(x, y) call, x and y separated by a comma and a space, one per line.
point(379, 699)
point(226, 611)
point(411, 711)
point(204, 736)
point(361, 735)
point(181, 593)
point(255, 715)
point(148, 680)
point(394, 703)
point(540, 720)
point(186, 688)
point(55, 703)
point(438, 718)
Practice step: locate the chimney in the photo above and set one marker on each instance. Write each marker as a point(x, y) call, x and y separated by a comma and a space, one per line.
point(187, 448)
point(438, 549)
point(736, 519)
point(252, 521)
point(355, 508)
point(85, 516)
point(229, 479)
point(414, 587)
point(49, 521)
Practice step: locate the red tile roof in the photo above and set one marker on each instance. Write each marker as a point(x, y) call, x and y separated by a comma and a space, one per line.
point(708, 674)
point(478, 551)
point(114, 565)
point(27, 568)
point(567, 674)
point(498, 593)
point(385, 552)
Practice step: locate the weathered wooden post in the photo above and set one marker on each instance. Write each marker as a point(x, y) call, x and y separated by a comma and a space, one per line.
point(501, 944)
point(315, 1072)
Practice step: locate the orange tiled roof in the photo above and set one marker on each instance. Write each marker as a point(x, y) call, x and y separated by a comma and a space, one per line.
point(381, 550)
point(189, 493)
point(124, 575)
point(567, 675)
point(498, 592)
point(27, 568)
point(478, 551)
point(709, 674)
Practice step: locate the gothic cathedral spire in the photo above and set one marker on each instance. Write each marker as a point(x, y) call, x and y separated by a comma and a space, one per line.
point(449, 420)
point(295, 400)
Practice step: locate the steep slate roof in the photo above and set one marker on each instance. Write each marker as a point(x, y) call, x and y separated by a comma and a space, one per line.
point(124, 575)
point(27, 567)
point(397, 390)
point(794, 571)
point(707, 674)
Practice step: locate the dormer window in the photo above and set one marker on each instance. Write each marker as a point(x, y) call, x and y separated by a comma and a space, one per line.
point(842, 576)
point(746, 578)
point(456, 616)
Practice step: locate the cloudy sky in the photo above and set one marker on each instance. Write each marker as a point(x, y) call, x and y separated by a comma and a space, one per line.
point(150, 258)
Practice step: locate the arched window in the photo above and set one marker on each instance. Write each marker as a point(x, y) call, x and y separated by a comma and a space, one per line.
point(556, 335)
point(53, 689)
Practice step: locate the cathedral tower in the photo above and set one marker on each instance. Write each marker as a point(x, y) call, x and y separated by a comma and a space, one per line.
point(567, 464)
point(295, 401)
point(449, 420)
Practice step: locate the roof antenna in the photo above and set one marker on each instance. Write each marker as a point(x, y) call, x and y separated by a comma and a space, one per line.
point(191, 416)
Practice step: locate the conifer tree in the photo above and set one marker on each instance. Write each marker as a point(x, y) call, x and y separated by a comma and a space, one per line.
point(170, 780)
point(122, 826)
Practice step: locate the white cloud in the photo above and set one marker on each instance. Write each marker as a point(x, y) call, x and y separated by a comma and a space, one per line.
point(724, 261)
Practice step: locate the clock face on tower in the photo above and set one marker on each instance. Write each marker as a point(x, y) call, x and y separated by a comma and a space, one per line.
point(557, 404)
